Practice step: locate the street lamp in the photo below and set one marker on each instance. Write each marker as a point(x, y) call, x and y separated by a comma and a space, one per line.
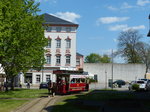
point(149, 27)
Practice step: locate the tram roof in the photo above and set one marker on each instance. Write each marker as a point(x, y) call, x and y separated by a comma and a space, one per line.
point(67, 72)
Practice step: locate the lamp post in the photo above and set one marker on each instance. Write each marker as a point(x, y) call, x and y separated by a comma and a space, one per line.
point(148, 35)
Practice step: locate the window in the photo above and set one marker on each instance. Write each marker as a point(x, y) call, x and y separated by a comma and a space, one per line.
point(48, 59)
point(58, 29)
point(48, 77)
point(38, 78)
point(67, 59)
point(58, 43)
point(49, 29)
point(77, 61)
point(49, 43)
point(58, 60)
point(68, 29)
point(68, 43)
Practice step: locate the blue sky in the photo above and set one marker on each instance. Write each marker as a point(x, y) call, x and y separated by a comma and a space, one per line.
point(101, 21)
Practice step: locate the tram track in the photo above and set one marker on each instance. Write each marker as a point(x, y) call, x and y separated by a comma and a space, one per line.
point(44, 104)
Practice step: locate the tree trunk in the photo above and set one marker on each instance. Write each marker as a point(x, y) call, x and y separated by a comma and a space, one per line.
point(12, 83)
point(6, 84)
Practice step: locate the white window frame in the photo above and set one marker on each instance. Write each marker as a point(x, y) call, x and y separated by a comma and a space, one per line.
point(68, 29)
point(48, 59)
point(48, 77)
point(38, 78)
point(58, 29)
point(58, 43)
point(68, 43)
point(78, 61)
point(58, 60)
point(49, 29)
point(49, 43)
point(68, 59)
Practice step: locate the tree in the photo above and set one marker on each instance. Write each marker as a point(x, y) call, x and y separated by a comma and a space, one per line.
point(92, 58)
point(105, 59)
point(22, 38)
point(127, 45)
point(144, 54)
point(96, 58)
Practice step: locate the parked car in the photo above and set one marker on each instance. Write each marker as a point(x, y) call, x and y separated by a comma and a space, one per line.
point(144, 80)
point(130, 85)
point(43, 85)
point(148, 85)
point(120, 83)
point(143, 85)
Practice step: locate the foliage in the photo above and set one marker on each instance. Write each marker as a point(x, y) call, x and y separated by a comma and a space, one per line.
point(135, 87)
point(96, 58)
point(22, 38)
point(91, 80)
point(127, 45)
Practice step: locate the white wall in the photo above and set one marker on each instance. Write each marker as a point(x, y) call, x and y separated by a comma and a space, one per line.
point(127, 72)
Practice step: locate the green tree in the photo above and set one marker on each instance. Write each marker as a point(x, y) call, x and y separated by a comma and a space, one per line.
point(92, 58)
point(22, 38)
point(105, 59)
point(96, 58)
point(127, 45)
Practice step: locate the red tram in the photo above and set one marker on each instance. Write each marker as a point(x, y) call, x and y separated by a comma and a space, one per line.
point(70, 81)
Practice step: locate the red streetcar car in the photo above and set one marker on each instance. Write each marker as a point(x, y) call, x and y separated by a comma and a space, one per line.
point(70, 81)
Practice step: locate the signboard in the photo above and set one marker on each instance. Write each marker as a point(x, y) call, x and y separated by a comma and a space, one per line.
point(78, 76)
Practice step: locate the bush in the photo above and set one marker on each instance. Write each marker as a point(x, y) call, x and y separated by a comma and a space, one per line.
point(135, 87)
point(92, 80)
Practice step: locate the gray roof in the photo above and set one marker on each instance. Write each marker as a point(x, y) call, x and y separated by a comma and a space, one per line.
point(53, 20)
point(78, 54)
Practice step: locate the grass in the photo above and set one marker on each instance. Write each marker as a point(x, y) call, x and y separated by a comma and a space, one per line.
point(24, 93)
point(74, 103)
point(8, 105)
point(12, 99)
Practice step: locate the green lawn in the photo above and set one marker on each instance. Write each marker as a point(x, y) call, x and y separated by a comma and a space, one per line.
point(74, 103)
point(24, 93)
point(12, 99)
point(8, 105)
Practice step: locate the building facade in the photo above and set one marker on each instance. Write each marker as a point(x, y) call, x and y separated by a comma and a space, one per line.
point(60, 50)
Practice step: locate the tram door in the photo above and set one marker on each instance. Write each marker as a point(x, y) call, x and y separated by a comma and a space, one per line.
point(62, 84)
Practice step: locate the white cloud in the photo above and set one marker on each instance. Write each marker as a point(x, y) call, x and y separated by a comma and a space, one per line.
point(41, 0)
point(70, 16)
point(125, 27)
point(118, 27)
point(125, 5)
point(142, 2)
point(112, 8)
point(108, 20)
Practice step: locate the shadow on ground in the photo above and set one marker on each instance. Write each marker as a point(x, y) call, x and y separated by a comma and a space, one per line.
point(103, 101)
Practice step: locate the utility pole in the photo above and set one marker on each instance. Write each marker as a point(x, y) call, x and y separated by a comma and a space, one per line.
point(112, 69)
point(148, 35)
point(105, 79)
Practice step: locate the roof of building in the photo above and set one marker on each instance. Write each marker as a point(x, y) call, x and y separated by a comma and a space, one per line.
point(78, 54)
point(53, 20)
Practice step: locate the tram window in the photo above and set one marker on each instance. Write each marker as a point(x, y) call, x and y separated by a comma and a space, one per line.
point(78, 80)
point(82, 80)
point(73, 80)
